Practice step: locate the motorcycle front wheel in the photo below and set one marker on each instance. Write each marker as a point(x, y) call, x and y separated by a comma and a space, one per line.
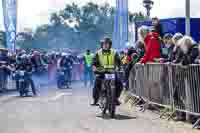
point(112, 99)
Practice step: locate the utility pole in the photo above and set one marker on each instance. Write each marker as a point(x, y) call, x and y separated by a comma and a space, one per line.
point(187, 32)
point(187, 17)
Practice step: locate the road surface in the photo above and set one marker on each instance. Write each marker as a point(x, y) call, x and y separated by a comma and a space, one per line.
point(68, 111)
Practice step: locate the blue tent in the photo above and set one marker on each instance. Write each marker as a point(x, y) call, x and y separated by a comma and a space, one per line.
point(174, 25)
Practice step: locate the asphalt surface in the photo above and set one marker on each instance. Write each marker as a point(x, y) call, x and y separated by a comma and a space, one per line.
point(69, 111)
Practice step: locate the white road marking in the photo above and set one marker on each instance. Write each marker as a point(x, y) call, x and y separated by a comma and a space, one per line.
point(58, 96)
point(35, 99)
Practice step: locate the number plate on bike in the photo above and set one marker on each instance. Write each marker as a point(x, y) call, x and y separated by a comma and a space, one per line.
point(110, 76)
point(21, 73)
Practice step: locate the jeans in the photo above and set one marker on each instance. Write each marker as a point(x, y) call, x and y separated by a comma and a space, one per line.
point(29, 81)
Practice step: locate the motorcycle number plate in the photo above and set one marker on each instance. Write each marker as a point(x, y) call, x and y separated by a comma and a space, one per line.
point(110, 76)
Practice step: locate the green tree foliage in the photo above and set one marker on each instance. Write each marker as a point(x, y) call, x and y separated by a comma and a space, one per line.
point(75, 27)
point(133, 17)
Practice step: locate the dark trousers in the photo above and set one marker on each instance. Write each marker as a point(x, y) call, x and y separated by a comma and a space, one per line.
point(3, 80)
point(29, 81)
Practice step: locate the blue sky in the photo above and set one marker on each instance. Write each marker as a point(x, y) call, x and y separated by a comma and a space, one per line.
point(32, 14)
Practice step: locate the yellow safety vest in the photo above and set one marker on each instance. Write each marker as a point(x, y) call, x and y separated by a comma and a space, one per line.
point(88, 59)
point(107, 60)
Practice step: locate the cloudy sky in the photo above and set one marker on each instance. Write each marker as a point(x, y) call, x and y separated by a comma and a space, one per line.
point(32, 13)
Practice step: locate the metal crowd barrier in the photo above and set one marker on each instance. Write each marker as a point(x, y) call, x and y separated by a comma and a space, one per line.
point(8, 84)
point(170, 85)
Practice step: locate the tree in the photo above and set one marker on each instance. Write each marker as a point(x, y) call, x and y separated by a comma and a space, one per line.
point(55, 19)
point(79, 27)
point(25, 40)
point(134, 17)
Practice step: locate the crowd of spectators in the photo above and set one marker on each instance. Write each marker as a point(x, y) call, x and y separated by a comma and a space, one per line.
point(154, 46)
point(176, 49)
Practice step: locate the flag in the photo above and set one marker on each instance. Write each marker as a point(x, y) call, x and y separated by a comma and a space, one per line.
point(10, 22)
point(120, 35)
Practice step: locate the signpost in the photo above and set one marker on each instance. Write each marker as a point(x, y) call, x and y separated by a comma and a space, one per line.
point(120, 35)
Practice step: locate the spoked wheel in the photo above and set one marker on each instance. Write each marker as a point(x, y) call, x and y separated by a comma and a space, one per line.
point(103, 100)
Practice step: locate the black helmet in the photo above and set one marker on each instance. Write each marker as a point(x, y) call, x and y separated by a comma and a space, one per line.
point(108, 40)
point(88, 51)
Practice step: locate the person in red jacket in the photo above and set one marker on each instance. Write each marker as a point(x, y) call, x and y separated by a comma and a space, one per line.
point(152, 48)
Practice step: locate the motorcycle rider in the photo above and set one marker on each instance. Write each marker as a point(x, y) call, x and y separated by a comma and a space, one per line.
point(67, 63)
point(25, 65)
point(106, 58)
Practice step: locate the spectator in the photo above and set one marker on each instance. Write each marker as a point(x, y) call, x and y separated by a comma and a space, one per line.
point(4, 69)
point(122, 55)
point(189, 49)
point(152, 48)
point(142, 32)
point(157, 27)
point(197, 60)
point(126, 58)
point(176, 54)
point(140, 49)
point(167, 48)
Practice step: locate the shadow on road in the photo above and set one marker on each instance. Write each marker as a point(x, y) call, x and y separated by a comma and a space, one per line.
point(124, 117)
point(10, 99)
point(117, 117)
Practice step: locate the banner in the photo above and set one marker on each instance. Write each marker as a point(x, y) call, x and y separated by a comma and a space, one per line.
point(120, 35)
point(10, 22)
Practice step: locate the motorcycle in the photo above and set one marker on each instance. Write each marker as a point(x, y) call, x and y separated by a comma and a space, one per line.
point(21, 77)
point(107, 100)
point(63, 81)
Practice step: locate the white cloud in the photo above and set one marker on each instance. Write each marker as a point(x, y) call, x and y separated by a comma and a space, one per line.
point(35, 12)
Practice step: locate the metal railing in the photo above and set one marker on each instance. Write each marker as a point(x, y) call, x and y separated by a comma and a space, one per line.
point(175, 86)
point(7, 85)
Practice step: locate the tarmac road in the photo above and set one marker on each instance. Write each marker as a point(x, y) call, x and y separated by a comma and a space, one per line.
point(69, 111)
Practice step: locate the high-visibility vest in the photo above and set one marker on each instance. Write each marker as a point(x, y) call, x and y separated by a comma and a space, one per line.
point(88, 59)
point(107, 60)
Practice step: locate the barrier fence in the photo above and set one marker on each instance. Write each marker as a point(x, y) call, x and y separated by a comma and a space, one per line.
point(175, 86)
